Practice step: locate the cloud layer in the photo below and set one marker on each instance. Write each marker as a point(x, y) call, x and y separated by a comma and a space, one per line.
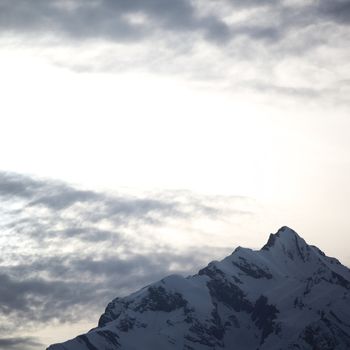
point(19, 343)
point(68, 251)
point(136, 20)
point(272, 47)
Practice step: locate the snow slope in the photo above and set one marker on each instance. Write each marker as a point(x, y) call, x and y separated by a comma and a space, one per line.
point(288, 295)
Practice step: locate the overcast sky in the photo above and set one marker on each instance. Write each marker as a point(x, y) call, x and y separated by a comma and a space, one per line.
point(145, 137)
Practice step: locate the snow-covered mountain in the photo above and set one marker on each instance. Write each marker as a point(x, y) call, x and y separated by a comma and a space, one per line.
point(287, 295)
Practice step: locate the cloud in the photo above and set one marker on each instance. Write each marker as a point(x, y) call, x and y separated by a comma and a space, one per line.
point(58, 197)
point(133, 21)
point(64, 198)
point(37, 298)
point(116, 20)
point(66, 251)
point(248, 40)
point(15, 185)
point(336, 10)
point(19, 343)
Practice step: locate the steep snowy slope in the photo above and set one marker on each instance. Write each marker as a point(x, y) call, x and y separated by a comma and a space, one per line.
point(288, 295)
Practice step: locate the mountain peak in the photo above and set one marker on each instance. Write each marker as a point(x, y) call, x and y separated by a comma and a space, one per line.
point(286, 229)
point(287, 242)
point(288, 295)
point(284, 236)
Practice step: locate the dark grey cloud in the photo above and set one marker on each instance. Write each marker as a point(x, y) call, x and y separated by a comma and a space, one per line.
point(86, 233)
point(38, 299)
point(70, 267)
point(16, 185)
point(130, 21)
point(336, 10)
point(57, 197)
point(108, 19)
point(19, 343)
point(64, 198)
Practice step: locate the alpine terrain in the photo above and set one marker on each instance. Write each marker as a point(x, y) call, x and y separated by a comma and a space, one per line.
point(287, 295)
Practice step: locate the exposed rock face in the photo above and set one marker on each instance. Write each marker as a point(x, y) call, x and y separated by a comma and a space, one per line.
point(288, 295)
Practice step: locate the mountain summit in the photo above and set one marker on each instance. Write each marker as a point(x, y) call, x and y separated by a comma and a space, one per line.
point(286, 296)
